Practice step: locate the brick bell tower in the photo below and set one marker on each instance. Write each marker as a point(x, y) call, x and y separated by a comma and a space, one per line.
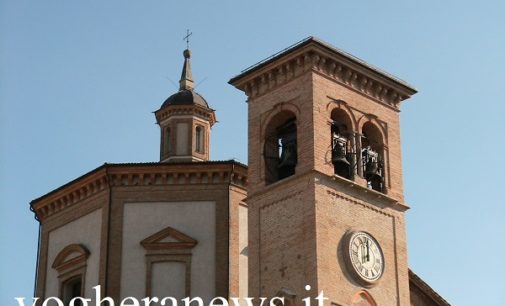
point(325, 194)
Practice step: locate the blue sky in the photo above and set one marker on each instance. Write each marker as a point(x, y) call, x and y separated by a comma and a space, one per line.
point(79, 81)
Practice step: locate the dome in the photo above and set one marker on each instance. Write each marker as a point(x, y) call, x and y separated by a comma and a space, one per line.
point(185, 97)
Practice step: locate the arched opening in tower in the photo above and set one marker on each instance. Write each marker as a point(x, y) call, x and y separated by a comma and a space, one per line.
point(280, 147)
point(342, 156)
point(372, 156)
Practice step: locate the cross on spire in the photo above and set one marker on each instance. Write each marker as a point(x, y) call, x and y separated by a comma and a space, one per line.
point(186, 38)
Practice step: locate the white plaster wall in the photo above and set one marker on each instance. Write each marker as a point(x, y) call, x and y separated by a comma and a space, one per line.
point(168, 279)
point(86, 231)
point(196, 219)
point(243, 257)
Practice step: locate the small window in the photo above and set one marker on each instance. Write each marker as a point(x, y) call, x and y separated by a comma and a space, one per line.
point(199, 138)
point(168, 140)
point(72, 288)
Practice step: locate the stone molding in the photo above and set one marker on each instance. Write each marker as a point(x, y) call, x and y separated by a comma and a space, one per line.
point(62, 263)
point(206, 114)
point(158, 251)
point(142, 174)
point(182, 241)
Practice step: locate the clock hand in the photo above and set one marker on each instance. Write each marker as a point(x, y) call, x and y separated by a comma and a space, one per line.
point(362, 253)
point(367, 250)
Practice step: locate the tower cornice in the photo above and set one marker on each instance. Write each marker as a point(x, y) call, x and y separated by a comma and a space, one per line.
point(319, 57)
point(354, 192)
point(204, 113)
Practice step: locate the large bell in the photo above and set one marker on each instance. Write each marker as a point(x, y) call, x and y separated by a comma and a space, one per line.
point(288, 158)
point(341, 164)
point(373, 171)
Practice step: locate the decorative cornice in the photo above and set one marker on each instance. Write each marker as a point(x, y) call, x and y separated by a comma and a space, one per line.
point(330, 62)
point(143, 174)
point(361, 192)
point(78, 190)
point(342, 196)
point(206, 114)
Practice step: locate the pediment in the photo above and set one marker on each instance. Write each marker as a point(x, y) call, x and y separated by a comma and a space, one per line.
point(71, 256)
point(168, 238)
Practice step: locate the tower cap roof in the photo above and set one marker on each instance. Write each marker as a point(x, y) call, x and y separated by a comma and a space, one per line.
point(399, 90)
point(186, 94)
point(185, 97)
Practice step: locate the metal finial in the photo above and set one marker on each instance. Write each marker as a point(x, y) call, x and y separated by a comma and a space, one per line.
point(186, 38)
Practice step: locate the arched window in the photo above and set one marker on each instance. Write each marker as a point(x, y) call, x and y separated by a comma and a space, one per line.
point(70, 263)
point(280, 148)
point(342, 146)
point(199, 139)
point(372, 157)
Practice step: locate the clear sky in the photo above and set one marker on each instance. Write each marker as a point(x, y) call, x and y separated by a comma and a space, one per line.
point(79, 81)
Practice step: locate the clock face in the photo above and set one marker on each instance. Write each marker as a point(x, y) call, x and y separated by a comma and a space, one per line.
point(365, 256)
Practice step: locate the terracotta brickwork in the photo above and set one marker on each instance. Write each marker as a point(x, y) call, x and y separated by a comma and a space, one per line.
point(330, 95)
point(282, 251)
point(337, 212)
point(297, 224)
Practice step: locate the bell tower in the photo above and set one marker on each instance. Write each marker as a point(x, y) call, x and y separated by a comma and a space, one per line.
point(185, 120)
point(325, 194)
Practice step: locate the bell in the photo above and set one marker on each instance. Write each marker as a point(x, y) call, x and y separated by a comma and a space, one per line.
point(288, 154)
point(340, 159)
point(287, 158)
point(339, 151)
point(342, 166)
point(373, 169)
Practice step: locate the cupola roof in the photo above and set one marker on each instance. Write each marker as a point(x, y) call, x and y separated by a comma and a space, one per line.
point(186, 94)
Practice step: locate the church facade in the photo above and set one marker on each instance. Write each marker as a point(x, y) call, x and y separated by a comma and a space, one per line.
point(320, 206)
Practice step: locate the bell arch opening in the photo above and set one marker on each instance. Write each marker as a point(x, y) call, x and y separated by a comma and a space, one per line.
point(280, 147)
point(342, 144)
point(372, 156)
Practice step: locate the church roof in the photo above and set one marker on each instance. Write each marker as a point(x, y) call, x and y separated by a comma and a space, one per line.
point(415, 282)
